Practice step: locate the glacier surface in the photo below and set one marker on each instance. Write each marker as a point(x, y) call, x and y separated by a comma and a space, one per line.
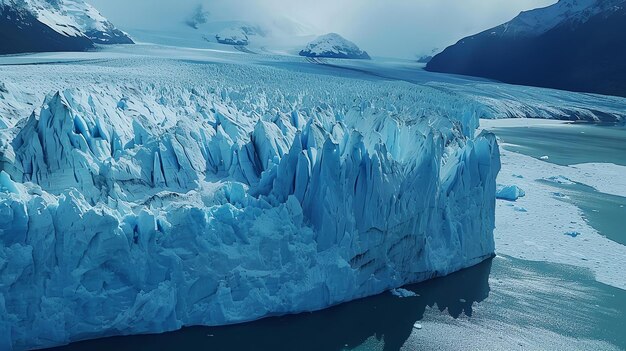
point(141, 194)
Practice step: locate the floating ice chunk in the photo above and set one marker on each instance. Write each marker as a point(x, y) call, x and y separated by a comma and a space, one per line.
point(559, 195)
point(545, 158)
point(402, 293)
point(560, 180)
point(510, 192)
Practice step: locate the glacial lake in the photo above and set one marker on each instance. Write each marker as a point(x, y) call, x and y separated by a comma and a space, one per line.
point(577, 143)
point(501, 304)
point(574, 144)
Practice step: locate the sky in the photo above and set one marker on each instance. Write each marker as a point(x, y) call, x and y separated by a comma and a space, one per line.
point(394, 28)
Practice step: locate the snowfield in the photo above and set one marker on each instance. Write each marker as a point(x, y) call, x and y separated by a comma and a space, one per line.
point(146, 189)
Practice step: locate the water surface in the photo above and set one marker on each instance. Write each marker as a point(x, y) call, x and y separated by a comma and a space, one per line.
point(568, 144)
point(502, 303)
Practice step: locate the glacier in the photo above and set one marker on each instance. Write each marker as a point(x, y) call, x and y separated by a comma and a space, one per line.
point(140, 194)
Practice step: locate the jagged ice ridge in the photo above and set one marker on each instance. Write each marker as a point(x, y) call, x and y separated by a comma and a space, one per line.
point(188, 194)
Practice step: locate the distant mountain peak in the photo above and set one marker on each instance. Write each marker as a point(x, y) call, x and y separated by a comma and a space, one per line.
point(538, 21)
point(335, 46)
point(573, 45)
point(54, 25)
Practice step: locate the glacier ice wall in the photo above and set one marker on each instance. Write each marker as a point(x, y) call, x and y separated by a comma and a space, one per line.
point(143, 206)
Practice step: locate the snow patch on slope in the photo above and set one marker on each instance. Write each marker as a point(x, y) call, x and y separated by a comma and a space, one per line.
point(232, 36)
point(72, 18)
point(539, 21)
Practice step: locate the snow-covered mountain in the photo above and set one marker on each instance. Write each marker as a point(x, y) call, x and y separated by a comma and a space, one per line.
point(232, 36)
point(333, 45)
point(565, 12)
point(95, 26)
point(573, 44)
point(54, 25)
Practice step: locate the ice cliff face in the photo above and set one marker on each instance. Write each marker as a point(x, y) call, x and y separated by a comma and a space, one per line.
point(156, 203)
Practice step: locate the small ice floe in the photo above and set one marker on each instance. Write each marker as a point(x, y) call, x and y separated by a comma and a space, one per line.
point(560, 180)
point(462, 300)
point(545, 158)
point(509, 192)
point(401, 293)
point(417, 326)
point(572, 234)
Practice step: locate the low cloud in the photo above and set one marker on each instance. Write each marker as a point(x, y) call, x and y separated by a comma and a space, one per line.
point(403, 28)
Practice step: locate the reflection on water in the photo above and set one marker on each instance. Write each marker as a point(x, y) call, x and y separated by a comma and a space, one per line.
point(500, 304)
point(345, 326)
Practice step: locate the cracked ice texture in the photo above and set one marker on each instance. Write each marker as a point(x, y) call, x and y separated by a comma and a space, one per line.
point(146, 206)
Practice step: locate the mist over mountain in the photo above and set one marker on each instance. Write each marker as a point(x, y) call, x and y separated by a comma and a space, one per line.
point(416, 26)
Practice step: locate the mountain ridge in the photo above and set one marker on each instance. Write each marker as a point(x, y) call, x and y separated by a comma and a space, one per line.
point(54, 25)
point(582, 52)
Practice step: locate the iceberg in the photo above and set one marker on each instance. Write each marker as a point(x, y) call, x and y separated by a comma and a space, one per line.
point(202, 195)
point(509, 192)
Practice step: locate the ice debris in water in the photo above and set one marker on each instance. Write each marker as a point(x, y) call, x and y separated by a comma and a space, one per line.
point(560, 180)
point(400, 292)
point(509, 192)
